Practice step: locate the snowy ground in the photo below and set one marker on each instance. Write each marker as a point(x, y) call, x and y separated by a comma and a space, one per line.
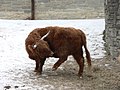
point(16, 69)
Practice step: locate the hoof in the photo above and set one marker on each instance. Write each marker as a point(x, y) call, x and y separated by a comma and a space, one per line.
point(54, 69)
point(80, 76)
point(38, 73)
point(35, 70)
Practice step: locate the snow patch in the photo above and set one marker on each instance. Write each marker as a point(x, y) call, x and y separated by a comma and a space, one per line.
point(16, 67)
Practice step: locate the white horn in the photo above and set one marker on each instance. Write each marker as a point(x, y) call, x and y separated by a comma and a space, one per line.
point(45, 36)
point(34, 46)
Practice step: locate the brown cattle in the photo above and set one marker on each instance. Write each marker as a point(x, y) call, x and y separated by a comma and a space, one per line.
point(62, 41)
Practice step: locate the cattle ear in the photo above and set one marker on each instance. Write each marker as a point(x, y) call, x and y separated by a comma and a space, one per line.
point(30, 48)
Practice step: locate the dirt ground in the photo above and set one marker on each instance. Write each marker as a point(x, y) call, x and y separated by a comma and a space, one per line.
point(105, 76)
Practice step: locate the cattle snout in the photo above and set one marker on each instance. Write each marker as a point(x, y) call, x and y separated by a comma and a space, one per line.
point(51, 54)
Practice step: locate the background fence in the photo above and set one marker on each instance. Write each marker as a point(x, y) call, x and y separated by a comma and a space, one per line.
point(52, 9)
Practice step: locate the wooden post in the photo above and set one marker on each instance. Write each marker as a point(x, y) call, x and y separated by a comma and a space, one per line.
point(32, 9)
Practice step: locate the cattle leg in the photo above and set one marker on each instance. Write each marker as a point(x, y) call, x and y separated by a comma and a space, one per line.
point(41, 63)
point(80, 61)
point(58, 63)
point(37, 65)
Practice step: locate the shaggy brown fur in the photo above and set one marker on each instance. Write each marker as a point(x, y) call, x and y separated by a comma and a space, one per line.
point(62, 41)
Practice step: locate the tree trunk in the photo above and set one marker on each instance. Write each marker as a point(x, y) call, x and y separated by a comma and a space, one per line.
point(32, 9)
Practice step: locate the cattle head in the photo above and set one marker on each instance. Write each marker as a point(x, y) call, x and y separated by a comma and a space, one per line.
point(40, 49)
